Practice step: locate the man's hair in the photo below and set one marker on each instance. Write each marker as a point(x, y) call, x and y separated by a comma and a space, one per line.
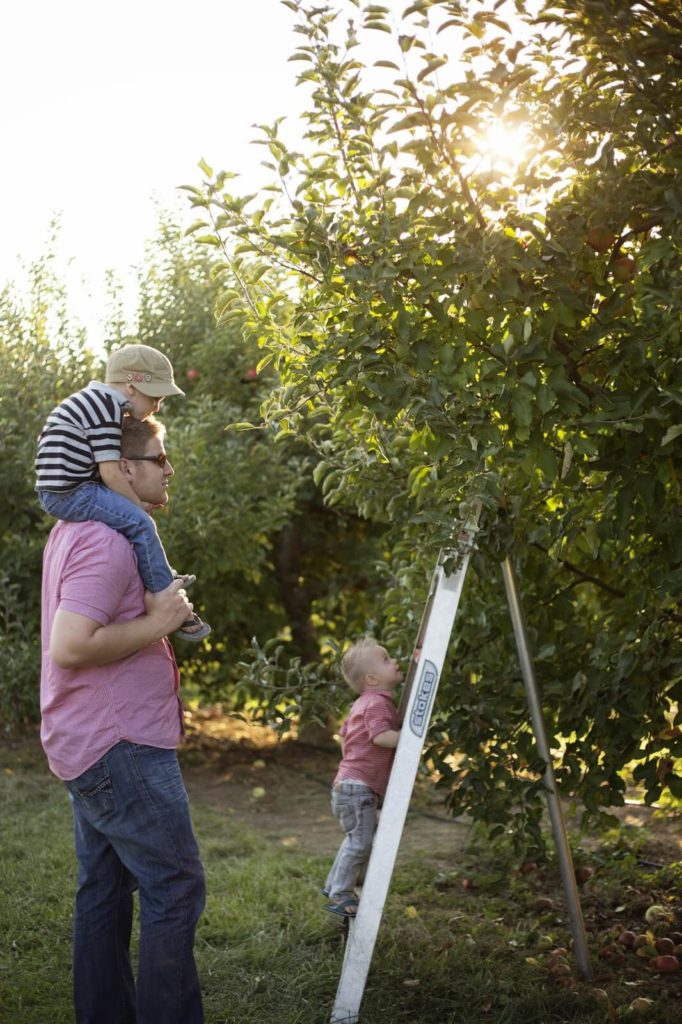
point(353, 663)
point(136, 435)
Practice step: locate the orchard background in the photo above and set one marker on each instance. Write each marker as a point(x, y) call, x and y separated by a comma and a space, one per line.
point(462, 285)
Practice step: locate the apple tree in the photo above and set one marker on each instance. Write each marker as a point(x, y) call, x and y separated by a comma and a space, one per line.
point(42, 360)
point(466, 273)
point(273, 562)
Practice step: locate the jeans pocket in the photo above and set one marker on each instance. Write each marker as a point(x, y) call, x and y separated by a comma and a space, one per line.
point(94, 793)
point(346, 814)
point(159, 770)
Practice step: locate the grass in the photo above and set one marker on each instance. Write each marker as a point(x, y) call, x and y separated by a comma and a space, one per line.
point(268, 953)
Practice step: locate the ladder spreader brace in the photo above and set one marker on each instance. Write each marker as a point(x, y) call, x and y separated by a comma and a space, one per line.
point(416, 706)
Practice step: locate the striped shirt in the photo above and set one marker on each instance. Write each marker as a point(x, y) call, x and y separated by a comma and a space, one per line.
point(81, 431)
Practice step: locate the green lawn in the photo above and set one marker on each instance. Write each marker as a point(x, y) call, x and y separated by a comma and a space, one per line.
point(268, 953)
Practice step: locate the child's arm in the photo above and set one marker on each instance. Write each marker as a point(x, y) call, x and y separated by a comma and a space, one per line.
point(387, 739)
point(112, 476)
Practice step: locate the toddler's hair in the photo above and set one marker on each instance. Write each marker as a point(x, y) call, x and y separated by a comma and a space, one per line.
point(353, 661)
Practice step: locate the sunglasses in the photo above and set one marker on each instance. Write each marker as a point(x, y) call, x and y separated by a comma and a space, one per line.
point(161, 459)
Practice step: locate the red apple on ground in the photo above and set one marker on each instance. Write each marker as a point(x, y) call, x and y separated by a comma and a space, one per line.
point(583, 874)
point(664, 946)
point(666, 964)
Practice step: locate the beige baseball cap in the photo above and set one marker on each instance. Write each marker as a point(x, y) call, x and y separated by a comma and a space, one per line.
point(145, 368)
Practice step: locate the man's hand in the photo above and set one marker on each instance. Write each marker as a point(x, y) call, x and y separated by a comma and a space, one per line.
point(170, 607)
point(79, 642)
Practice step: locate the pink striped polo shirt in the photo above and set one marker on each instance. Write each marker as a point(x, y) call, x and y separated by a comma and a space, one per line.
point(90, 569)
point(371, 714)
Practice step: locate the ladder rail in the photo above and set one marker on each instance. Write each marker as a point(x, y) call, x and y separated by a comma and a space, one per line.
point(423, 677)
point(435, 640)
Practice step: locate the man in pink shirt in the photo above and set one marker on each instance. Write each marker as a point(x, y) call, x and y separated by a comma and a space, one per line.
point(369, 737)
point(111, 720)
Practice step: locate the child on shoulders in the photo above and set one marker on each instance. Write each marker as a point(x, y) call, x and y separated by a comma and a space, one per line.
point(79, 448)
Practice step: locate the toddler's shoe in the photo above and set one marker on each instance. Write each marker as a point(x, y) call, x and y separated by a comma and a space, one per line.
point(188, 632)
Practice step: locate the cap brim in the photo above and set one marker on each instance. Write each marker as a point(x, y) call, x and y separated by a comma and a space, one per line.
point(158, 390)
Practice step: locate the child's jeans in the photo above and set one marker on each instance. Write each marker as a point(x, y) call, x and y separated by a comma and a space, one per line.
point(95, 501)
point(355, 806)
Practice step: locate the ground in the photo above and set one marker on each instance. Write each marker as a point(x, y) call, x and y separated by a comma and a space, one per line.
point(281, 790)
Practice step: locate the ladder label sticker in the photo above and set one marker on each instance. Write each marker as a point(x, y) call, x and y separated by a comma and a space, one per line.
point(419, 719)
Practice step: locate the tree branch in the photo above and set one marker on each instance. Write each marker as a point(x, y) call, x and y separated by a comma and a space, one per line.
point(586, 577)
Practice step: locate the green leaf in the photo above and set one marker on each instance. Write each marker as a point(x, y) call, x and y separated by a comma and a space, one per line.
point(432, 65)
point(671, 433)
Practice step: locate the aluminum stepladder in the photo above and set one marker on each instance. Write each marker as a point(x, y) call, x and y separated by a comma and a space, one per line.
point(419, 693)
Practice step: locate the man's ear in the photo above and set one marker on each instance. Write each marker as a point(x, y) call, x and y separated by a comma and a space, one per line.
point(111, 471)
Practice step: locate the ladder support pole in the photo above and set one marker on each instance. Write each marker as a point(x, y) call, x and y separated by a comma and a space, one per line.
point(553, 801)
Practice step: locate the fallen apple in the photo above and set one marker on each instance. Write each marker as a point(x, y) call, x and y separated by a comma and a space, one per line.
point(666, 964)
point(664, 946)
point(656, 914)
point(640, 940)
point(583, 874)
point(627, 939)
point(641, 1004)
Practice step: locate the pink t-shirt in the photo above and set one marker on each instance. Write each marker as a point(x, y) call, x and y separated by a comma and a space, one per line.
point(90, 569)
point(371, 714)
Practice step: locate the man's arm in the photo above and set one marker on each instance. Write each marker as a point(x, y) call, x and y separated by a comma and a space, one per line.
point(79, 642)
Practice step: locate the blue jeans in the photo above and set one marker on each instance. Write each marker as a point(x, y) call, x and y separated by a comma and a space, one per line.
point(133, 831)
point(95, 501)
point(355, 807)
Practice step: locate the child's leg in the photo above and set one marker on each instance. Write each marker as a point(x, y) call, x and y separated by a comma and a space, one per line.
point(95, 501)
point(355, 807)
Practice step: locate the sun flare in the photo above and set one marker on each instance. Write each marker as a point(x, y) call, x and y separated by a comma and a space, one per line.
point(504, 145)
